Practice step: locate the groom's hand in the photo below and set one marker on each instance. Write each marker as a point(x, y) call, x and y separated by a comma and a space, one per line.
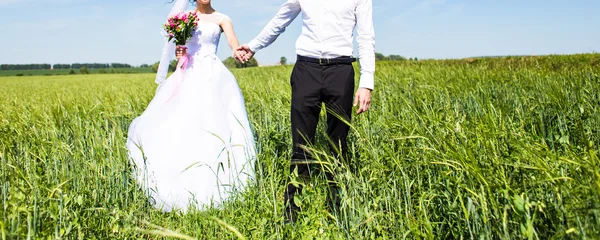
point(363, 100)
point(249, 54)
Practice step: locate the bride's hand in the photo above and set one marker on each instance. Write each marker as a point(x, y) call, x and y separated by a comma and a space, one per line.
point(180, 51)
point(248, 54)
point(239, 55)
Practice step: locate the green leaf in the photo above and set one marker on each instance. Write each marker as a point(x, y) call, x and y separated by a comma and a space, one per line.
point(519, 203)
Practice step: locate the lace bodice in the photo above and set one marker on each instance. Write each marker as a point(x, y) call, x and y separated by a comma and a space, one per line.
point(205, 40)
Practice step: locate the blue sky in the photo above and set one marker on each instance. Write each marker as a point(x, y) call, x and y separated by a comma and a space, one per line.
point(127, 31)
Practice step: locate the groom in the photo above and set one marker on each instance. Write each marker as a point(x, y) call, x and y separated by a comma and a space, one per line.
point(323, 73)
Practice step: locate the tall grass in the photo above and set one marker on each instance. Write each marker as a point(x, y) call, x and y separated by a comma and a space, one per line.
point(487, 148)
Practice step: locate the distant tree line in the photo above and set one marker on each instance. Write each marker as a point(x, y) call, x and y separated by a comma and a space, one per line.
point(229, 62)
point(66, 66)
point(172, 66)
point(381, 57)
point(62, 66)
point(232, 63)
point(94, 65)
point(24, 66)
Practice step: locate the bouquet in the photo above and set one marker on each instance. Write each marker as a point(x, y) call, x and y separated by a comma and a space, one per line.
point(180, 27)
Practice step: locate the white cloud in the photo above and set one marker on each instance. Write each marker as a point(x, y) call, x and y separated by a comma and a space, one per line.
point(7, 2)
point(49, 24)
point(427, 5)
point(426, 9)
point(95, 12)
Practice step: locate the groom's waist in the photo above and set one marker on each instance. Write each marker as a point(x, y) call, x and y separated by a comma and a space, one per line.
point(327, 61)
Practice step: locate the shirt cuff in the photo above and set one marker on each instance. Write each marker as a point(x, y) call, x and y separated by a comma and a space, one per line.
point(254, 46)
point(367, 80)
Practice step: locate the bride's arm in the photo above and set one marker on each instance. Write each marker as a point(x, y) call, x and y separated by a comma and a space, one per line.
point(227, 27)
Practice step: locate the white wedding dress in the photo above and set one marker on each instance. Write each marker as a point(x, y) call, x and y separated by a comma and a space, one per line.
point(193, 144)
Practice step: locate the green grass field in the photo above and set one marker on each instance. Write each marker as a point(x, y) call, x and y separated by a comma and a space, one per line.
point(503, 148)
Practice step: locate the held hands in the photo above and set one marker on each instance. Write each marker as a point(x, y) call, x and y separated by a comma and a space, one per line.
point(243, 53)
point(239, 55)
point(362, 97)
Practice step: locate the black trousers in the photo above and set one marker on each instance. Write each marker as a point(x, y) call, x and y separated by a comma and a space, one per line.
point(312, 85)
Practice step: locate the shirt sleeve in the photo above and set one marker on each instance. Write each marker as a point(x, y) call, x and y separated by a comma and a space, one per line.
point(287, 13)
point(366, 43)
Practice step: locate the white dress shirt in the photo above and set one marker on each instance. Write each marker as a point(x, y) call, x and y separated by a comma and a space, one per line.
point(327, 31)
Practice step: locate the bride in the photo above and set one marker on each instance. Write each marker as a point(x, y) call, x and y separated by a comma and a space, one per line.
point(193, 144)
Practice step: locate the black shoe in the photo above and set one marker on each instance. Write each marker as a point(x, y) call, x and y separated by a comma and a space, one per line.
point(290, 216)
point(334, 200)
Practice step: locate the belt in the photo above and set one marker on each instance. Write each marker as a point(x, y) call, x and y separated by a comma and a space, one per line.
point(327, 61)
